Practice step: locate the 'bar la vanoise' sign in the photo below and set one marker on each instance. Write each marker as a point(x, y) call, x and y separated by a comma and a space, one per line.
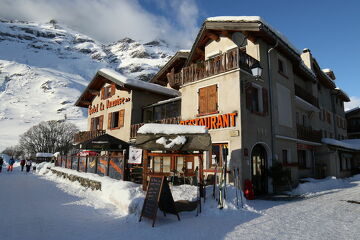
point(213, 122)
point(109, 104)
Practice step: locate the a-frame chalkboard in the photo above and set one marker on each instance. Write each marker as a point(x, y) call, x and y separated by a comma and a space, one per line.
point(158, 195)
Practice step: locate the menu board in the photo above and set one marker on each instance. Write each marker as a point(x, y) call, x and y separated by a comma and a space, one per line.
point(158, 196)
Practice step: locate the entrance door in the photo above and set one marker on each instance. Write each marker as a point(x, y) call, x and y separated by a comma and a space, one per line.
point(258, 170)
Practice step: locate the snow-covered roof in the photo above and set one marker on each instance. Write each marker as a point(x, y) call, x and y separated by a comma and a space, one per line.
point(155, 128)
point(352, 110)
point(353, 144)
point(45, 155)
point(165, 101)
point(122, 80)
point(253, 19)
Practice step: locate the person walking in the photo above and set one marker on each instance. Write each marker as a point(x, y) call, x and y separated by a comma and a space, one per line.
point(22, 164)
point(28, 165)
point(11, 163)
point(1, 163)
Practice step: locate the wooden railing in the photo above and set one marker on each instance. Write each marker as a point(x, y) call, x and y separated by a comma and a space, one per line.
point(87, 135)
point(308, 134)
point(305, 95)
point(135, 127)
point(230, 60)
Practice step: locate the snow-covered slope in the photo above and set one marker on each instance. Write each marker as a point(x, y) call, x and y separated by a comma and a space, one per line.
point(45, 67)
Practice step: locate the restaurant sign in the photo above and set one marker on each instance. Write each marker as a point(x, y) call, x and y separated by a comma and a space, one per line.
point(213, 122)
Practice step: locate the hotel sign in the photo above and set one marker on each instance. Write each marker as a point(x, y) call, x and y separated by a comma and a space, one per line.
point(213, 122)
point(108, 104)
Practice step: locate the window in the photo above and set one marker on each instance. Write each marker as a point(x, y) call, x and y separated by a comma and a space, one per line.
point(301, 158)
point(108, 91)
point(285, 157)
point(281, 65)
point(208, 100)
point(96, 123)
point(256, 99)
point(217, 154)
point(297, 118)
point(116, 119)
point(163, 111)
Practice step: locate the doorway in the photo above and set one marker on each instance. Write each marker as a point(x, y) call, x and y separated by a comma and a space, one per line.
point(258, 169)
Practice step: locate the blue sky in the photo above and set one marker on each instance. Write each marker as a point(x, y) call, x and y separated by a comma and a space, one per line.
point(329, 28)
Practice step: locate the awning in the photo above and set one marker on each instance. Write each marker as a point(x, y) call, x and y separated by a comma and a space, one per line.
point(174, 142)
point(104, 142)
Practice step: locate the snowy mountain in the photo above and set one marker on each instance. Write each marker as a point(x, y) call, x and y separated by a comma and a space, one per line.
point(45, 67)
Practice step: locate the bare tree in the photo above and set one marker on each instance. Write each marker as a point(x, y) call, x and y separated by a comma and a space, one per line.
point(51, 136)
point(14, 151)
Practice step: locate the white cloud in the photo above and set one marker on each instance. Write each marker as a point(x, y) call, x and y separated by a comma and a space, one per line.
point(111, 20)
point(354, 102)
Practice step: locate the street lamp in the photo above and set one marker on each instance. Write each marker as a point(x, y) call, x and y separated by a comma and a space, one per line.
point(256, 70)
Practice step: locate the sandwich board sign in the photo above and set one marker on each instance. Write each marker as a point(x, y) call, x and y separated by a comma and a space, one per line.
point(158, 196)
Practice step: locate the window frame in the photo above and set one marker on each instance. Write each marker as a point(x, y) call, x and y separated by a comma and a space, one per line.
point(207, 111)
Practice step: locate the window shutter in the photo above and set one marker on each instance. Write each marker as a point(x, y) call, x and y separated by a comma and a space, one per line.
point(202, 95)
point(92, 124)
point(121, 118)
point(265, 96)
point(248, 96)
point(101, 122)
point(109, 121)
point(113, 88)
point(212, 100)
point(103, 93)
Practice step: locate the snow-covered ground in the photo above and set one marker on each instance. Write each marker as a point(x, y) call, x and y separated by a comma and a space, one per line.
point(36, 206)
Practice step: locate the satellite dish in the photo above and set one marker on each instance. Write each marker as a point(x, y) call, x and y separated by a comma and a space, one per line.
point(239, 39)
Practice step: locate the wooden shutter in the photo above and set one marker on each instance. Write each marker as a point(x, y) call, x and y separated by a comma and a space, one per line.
point(248, 96)
point(101, 122)
point(113, 88)
point(92, 124)
point(109, 120)
point(202, 96)
point(102, 93)
point(121, 118)
point(265, 96)
point(212, 99)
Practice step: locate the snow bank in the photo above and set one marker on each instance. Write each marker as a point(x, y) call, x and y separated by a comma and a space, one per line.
point(124, 198)
point(320, 185)
point(43, 168)
point(156, 128)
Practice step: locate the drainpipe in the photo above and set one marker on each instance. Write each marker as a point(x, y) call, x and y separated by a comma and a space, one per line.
point(271, 99)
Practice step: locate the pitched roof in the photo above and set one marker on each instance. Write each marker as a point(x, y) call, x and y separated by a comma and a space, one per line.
point(106, 75)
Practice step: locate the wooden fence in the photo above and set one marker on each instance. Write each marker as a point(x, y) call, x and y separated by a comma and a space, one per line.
point(101, 165)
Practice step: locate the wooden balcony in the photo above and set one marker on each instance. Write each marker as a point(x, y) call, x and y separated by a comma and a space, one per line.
point(87, 135)
point(225, 62)
point(305, 95)
point(308, 134)
point(135, 127)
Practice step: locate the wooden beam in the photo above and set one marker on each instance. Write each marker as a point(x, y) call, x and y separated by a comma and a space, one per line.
point(94, 92)
point(200, 51)
point(85, 103)
point(226, 34)
point(213, 36)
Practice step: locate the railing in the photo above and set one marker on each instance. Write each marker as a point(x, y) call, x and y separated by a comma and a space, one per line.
point(87, 135)
point(308, 134)
point(305, 95)
point(135, 127)
point(230, 60)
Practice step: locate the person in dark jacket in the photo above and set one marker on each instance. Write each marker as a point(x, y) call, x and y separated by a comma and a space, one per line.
point(22, 164)
point(11, 163)
point(1, 163)
point(28, 165)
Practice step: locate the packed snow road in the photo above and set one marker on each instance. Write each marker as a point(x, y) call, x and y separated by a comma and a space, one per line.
point(34, 208)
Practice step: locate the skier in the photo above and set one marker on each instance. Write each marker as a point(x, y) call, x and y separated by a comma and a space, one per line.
point(28, 165)
point(1, 163)
point(22, 164)
point(11, 163)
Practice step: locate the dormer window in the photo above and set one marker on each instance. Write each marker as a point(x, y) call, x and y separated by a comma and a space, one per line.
point(108, 91)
